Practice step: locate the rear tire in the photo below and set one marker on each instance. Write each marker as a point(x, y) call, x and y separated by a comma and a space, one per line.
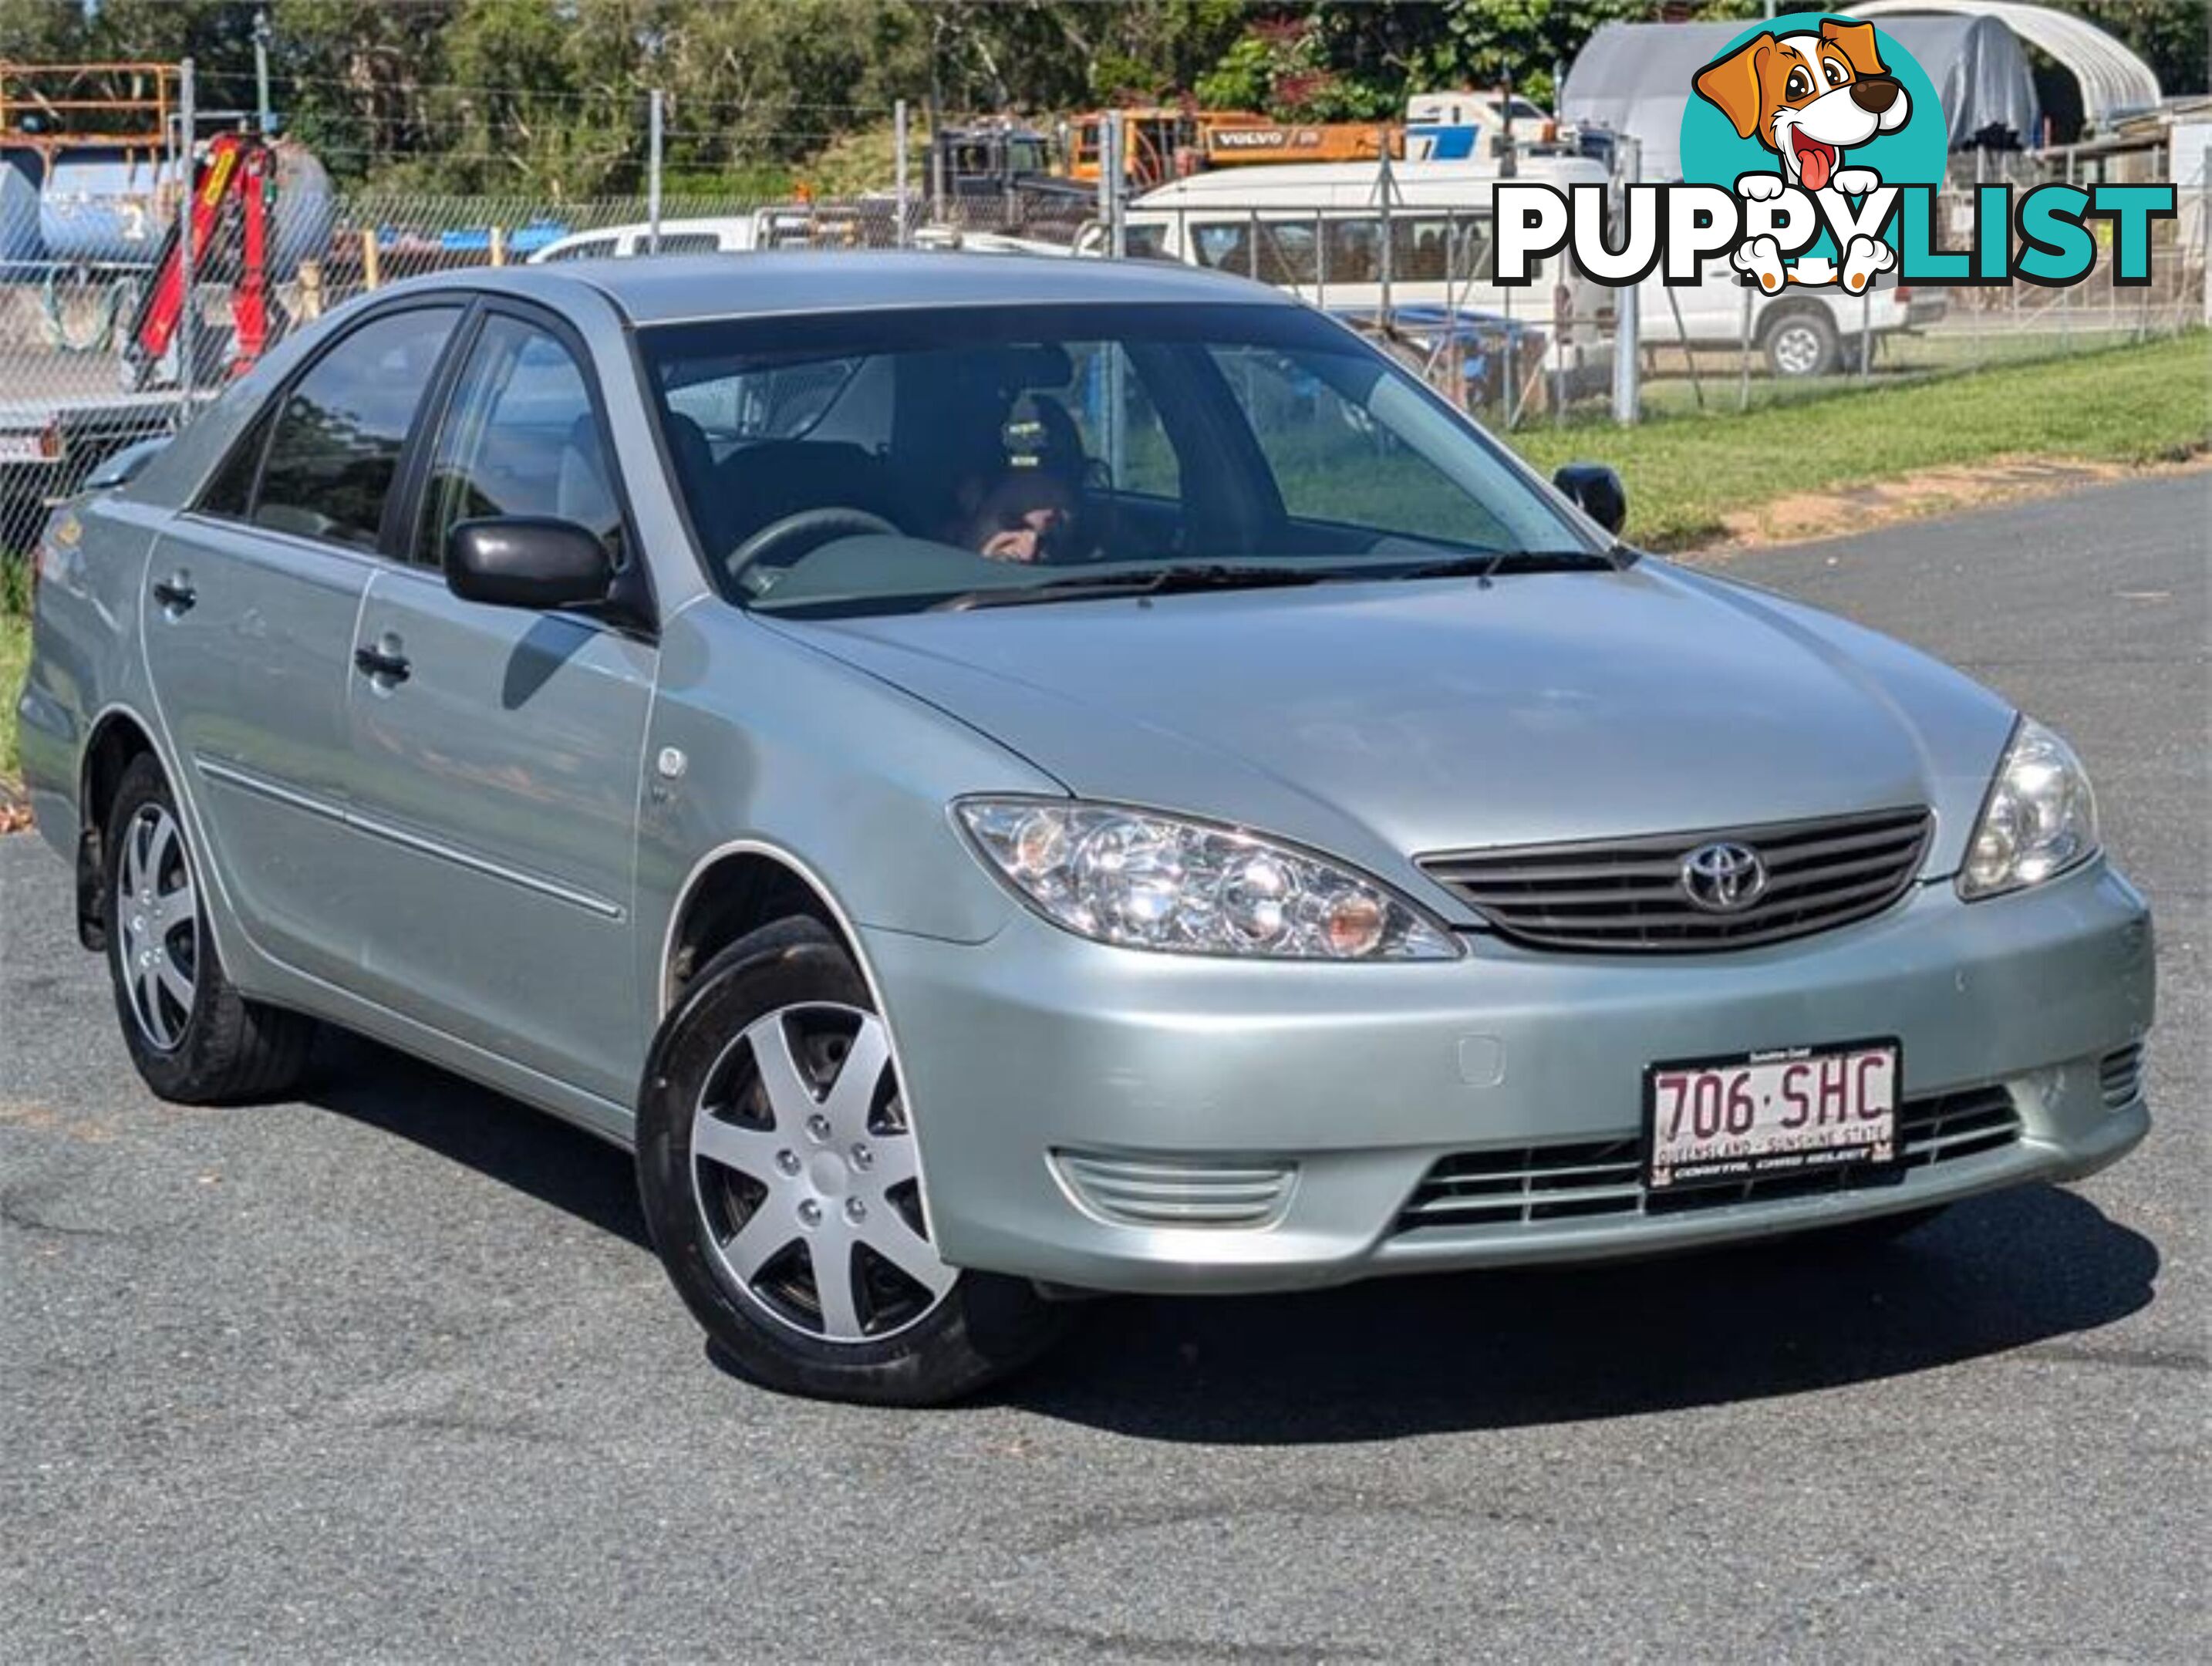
point(1802, 343)
point(194, 1039)
point(780, 1181)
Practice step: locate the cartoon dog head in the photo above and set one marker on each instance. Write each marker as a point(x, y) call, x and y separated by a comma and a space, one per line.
point(1805, 97)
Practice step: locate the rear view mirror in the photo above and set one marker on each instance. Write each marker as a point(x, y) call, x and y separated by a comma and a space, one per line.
point(527, 561)
point(1596, 491)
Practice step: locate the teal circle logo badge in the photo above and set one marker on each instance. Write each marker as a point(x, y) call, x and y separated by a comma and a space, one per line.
point(1821, 104)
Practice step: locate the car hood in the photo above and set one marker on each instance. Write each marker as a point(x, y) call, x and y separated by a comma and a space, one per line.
point(1384, 721)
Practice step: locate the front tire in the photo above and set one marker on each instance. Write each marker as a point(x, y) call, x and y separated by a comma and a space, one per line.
point(781, 1182)
point(194, 1039)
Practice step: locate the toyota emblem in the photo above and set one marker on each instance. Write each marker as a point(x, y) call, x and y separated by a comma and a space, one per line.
point(1723, 878)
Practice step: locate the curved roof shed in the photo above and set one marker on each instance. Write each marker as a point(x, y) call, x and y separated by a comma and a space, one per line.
point(2113, 81)
point(1635, 77)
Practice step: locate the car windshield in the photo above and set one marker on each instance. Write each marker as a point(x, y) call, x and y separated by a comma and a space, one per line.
point(889, 461)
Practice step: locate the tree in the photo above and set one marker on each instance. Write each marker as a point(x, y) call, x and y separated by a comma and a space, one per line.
point(547, 97)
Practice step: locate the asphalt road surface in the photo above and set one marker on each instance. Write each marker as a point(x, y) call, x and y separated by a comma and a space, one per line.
point(389, 1372)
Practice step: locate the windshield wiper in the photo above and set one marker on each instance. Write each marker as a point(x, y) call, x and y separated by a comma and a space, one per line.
point(1155, 582)
point(1487, 567)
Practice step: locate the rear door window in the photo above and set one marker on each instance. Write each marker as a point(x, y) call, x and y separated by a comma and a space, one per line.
point(335, 452)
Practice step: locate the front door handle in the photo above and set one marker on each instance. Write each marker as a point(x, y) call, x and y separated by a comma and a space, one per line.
point(380, 667)
point(176, 594)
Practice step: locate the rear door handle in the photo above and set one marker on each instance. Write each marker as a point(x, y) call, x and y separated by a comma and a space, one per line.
point(175, 594)
point(380, 667)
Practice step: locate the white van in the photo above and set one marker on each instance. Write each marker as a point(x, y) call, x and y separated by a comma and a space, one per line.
point(1316, 230)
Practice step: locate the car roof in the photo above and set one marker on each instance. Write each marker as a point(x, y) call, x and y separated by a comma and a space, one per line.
point(667, 289)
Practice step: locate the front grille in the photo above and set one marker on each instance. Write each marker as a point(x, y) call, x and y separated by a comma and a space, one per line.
point(1626, 896)
point(1529, 1185)
point(2119, 1077)
point(1167, 1191)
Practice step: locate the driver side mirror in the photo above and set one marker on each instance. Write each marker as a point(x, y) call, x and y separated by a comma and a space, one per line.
point(1596, 491)
point(527, 561)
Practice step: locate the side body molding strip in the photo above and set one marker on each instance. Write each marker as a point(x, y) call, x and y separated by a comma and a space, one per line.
point(250, 781)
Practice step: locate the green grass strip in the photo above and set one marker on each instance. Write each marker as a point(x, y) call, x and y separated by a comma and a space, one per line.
point(1684, 474)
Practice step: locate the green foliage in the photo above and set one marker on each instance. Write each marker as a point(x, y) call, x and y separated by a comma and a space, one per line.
point(14, 662)
point(547, 97)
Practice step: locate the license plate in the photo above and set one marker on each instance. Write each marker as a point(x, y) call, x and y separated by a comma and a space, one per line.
point(1789, 1110)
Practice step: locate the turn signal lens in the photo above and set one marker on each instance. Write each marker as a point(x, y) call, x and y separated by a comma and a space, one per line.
point(1140, 880)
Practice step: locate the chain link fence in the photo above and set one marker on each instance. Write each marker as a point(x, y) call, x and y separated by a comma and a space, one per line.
point(1805, 347)
point(1415, 278)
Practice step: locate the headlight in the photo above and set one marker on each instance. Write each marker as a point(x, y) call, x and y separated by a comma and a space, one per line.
point(1140, 880)
point(2040, 818)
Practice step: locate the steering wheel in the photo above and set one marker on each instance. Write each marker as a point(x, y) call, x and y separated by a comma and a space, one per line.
point(785, 542)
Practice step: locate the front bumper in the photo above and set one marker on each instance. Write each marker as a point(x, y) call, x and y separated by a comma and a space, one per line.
point(1060, 1087)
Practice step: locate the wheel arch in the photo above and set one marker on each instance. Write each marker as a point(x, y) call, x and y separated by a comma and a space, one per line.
point(736, 889)
point(119, 737)
point(743, 885)
point(1788, 309)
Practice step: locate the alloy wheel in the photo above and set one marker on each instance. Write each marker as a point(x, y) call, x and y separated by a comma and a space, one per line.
point(158, 910)
point(1797, 349)
point(807, 1178)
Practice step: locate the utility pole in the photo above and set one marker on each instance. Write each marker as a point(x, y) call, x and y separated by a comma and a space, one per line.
point(1509, 158)
point(898, 168)
point(263, 117)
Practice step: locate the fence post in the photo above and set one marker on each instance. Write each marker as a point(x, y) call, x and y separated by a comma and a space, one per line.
point(1627, 361)
point(652, 173)
point(1682, 336)
point(371, 270)
point(898, 169)
point(1510, 390)
point(1386, 188)
point(1116, 139)
point(187, 170)
point(1108, 187)
point(1743, 356)
point(2205, 225)
point(936, 162)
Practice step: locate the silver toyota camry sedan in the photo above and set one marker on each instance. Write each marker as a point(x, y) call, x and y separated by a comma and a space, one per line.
point(1001, 779)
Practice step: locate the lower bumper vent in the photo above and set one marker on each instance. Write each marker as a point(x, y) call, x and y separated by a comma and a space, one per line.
point(2119, 1077)
point(1528, 1185)
point(1149, 1191)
